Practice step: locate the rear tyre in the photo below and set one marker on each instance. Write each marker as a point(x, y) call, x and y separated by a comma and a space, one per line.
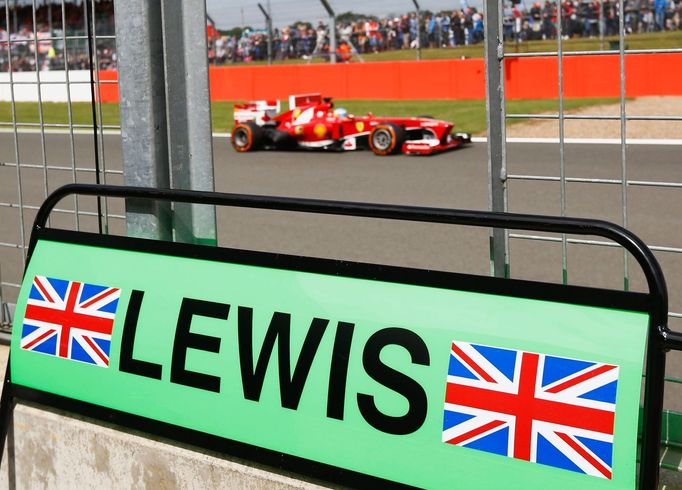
point(247, 136)
point(386, 139)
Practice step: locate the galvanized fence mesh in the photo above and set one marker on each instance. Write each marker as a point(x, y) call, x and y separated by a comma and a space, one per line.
point(511, 178)
point(52, 51)
point(624, 182)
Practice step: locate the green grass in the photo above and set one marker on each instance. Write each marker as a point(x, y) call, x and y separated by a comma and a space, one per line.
point(655, 40)
point(468, 115)
point(57, 113)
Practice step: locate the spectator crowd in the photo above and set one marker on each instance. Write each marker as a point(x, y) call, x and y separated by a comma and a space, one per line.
point(44, 48)
point(587, 18)
point(459, 27)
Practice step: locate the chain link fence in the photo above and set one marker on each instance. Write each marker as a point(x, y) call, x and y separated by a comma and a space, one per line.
point(584, 183)
point(51, 55)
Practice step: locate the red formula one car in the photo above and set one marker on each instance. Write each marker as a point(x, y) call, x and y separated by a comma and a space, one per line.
point(312, 122)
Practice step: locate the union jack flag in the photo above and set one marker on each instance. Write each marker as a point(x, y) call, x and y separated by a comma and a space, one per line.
point(545, 409)
point(70, 319)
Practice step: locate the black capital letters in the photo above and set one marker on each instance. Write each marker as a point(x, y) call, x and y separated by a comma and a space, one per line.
point(127, 363)
point(338, 372)
point(184, 339)
point(394, 380)
point(291, 387)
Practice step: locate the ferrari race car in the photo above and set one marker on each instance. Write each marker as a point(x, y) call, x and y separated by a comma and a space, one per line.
point(312, 122)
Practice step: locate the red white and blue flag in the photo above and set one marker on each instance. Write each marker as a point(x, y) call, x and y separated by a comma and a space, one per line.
point(70, 319)
point(545, 409)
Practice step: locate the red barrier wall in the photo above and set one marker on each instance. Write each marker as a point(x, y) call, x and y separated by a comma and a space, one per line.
point(525, 78)
point(442, 79)
point(108, 92)
point(594, 76)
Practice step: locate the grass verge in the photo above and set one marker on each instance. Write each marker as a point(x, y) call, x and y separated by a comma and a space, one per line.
point(468, 115)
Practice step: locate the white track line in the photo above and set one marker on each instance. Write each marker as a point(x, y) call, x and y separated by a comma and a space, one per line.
point(21, 130)
point(114, 132)
point(587, 141)
point(475, 139)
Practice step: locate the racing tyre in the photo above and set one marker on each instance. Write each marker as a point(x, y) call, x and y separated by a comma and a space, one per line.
point(247, 136)
point(386, 139)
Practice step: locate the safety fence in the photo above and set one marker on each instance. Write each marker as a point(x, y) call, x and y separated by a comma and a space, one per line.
point(621, 74)
point(565, 75)
point(36, 154)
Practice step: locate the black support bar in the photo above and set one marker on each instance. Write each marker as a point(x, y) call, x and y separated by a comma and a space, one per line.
point(577, 226)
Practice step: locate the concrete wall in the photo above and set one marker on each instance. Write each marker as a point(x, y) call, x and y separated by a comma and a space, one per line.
point(51, 450)
point(26, 88)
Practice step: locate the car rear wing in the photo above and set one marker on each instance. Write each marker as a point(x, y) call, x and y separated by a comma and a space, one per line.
point(259, 111)
point(304, 99)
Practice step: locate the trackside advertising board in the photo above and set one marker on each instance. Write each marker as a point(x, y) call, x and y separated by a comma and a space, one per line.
point(423, 379)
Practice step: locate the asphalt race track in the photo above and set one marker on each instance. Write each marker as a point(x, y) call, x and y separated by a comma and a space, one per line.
point(454, 180)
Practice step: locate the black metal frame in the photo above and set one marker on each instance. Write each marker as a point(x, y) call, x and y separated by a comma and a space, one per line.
point(655, 303)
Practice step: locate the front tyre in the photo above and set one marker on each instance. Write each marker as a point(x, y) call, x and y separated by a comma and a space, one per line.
point(247, 136)
point(386, 139)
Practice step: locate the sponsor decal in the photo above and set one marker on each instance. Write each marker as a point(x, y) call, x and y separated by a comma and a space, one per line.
point(417, 147)
point(303, 117)
point(320, 130)
point(350, 144)
point(315, 144)
point(360, 126)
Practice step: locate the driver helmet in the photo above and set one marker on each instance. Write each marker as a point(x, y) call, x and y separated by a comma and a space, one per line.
point(340, 112)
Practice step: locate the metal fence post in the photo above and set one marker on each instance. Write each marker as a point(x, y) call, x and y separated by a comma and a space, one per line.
point(495, 118)
point(3, 321)
point(601, 24)
point(268, 26)
point(419, 30)
point(332, 30)
point(143, 113)
point(188, 111)
point(213, 46)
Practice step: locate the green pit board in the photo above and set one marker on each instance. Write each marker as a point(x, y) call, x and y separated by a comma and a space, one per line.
point(355, 373)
